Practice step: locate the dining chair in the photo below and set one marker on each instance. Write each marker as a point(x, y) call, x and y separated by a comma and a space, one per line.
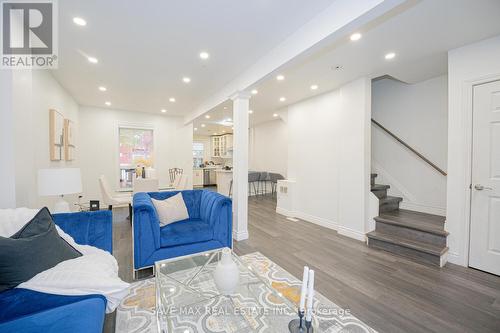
point(145, 185)
point(173, 173)
point(111, 199)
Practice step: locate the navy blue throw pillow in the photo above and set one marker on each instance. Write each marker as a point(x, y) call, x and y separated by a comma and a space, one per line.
point(33, 249)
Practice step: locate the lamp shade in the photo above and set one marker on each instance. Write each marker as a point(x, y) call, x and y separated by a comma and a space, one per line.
point(59, 181)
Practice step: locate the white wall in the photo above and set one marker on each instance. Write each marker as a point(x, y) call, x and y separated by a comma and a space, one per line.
point(7, 157)
point(33, 93)
point(469, 65)
point(98, 133)
point(418, 114)
point(329, 158)
point(268, 147)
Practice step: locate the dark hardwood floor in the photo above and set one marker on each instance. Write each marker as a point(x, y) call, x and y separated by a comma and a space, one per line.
point(388, 292)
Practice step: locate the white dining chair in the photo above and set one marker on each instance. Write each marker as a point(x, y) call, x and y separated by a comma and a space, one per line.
point(180, 182)
point(145, 185)
point(110, 199)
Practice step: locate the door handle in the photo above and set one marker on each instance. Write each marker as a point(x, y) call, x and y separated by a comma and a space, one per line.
point(480, 187)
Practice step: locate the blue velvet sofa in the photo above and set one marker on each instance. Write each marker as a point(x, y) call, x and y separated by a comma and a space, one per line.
point(27, 311)
point(209, 226)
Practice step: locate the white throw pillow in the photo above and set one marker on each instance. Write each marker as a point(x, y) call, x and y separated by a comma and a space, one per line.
point(171, 210)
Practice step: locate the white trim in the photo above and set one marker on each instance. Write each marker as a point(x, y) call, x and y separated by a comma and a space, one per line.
point(351, 233)
point(308, 218)
point(454, 258)
point(240, 235)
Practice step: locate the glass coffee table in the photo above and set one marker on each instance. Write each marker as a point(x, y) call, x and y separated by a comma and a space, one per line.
point(188, 301)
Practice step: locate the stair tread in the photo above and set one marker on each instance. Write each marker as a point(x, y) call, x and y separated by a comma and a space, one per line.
point(414, 220)
point(379, 187)
point(409, 243)
point(390, 199)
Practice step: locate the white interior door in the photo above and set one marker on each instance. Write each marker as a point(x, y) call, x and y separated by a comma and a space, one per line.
point(485, 204)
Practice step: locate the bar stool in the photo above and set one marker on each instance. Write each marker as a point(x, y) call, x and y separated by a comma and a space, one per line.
point(274, 177)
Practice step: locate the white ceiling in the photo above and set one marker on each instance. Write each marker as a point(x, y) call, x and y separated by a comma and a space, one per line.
point(145, 48)
point(421, 35)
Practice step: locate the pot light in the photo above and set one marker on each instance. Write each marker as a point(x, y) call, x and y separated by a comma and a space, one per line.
point(92, 60)
point(314, 87)
point(390, 55)
point(229, 119)
point(223, 131)
point(215, 133)
point(275, 115)
point(102, 88)
point(202, 125)
point(355, 36)
point(163, 111)
point(207, 116)
point(250, 111)
point(255, 92)
point(186, 79)
point(107, 103)
point(282, 99)
point(225, 108)
point(79, 21)
point(204, 55)
point(171, 99)
point(280, 77)
point(196, 128)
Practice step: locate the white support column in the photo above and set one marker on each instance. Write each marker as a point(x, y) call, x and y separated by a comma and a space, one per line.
point(7, 157)
point(240, 165)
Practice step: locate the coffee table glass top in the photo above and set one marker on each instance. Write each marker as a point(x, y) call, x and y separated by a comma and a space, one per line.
point(188, 301)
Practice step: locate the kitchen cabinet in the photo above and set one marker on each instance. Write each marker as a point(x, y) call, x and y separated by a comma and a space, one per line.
point(197, 177)
point(222, 146)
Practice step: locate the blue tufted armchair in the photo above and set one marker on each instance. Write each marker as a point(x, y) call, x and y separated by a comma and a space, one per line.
point(209, 226)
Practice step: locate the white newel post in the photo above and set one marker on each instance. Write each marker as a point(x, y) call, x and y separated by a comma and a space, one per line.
point(240, 165)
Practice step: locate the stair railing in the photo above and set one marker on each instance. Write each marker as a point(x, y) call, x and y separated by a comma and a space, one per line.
point(409, 147)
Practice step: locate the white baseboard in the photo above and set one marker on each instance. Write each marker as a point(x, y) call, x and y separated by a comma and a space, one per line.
point(351, 233)
point(422, 208)
point(455, 258)
point(241, 235)
point(324, 223)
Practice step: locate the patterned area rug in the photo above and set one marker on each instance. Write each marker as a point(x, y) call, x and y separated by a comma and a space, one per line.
point(137, 311)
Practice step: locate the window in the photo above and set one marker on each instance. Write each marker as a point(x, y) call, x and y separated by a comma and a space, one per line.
point(136, 150)
point(198, 152)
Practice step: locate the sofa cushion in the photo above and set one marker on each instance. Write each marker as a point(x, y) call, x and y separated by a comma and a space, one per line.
point(33, 249)
point(19, 302)
point(171, 210)
point(185, 232)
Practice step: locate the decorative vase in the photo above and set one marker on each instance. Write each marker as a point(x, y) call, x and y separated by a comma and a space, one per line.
point(226, 273)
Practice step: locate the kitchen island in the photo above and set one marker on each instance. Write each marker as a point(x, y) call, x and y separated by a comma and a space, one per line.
point(224, 178)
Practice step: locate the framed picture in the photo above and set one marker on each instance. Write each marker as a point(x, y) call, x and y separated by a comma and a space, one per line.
point(69, 140)
point(56, 135)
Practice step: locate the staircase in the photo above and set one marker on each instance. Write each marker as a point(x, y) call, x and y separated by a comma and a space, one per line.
point(418, 236)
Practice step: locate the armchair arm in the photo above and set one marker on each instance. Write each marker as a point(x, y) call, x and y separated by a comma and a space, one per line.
point(216, 209)
point(88, 228)
point(146, 228)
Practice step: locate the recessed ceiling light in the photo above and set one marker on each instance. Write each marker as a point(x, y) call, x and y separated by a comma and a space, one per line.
point(355, 36)
point(171, 99)
point(223, 131)
point(207, 116)
point(204, 55)
point(102, 88)
point(229, 119)
point(186, 79)
point(255, 92)
point(225, 108)
point(163, 110)
point(79, 21)
point(202, 125)
point(107, 103)
point(280, 77)
point(275, 115)
point(215, 133)
point(282, 99)
point(92, 60)
point(390, 55)
point(196, 128)
point(250, 111)
point(314, 87)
